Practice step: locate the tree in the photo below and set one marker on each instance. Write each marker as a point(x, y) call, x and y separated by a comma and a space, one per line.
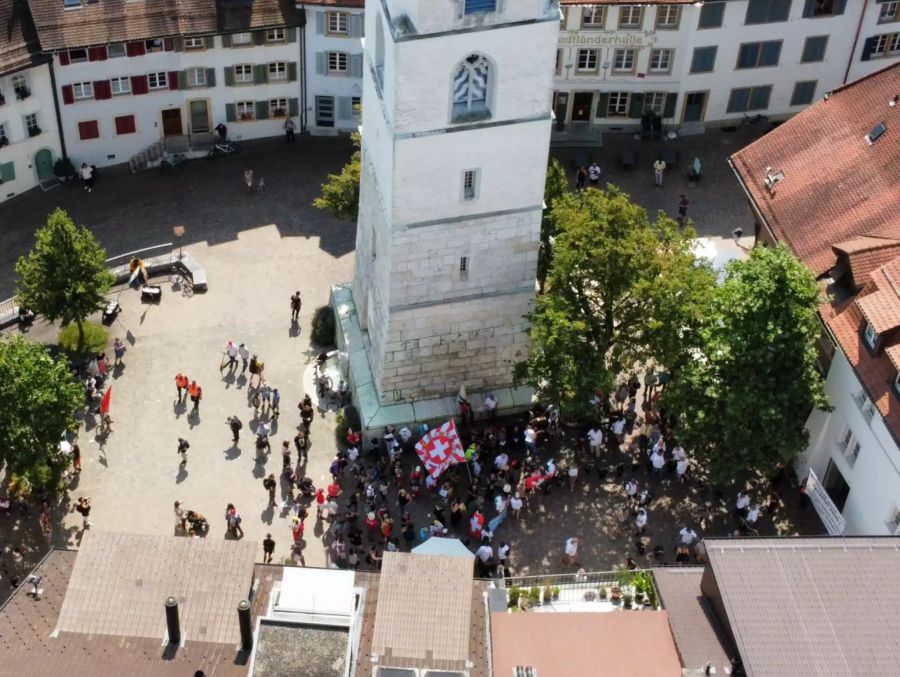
point(39, 399)
point(555, 186)
point(64, 277)
point(743, 401)
point(620, 290)
point(340, 194)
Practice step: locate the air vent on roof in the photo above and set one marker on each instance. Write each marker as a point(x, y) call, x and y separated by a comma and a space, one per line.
point(524, 671)
point(773, 178)
point(893, 101)
point(876, 133)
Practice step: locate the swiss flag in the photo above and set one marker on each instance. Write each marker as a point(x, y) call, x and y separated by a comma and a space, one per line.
point(104, 403)
point(440, 448)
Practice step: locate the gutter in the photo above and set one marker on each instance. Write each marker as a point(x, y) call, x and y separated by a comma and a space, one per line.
point(59, 126)
point(752, 201)
point(862, 15)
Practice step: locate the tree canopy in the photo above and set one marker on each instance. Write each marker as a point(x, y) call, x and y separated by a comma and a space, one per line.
point(64, 277)
point(39, 398)
point(621, 290)
point(555, 186)
point(340, 193)
point(743, 401)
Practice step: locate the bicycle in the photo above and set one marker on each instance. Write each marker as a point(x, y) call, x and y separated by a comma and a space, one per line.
point(226, 147)
point(185, 283)
point(759, 117)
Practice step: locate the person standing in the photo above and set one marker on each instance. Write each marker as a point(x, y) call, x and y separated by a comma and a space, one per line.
point(594, 174)
point(650, 381)
point(289, 129)
point(84, 507)
point(222, 131)
point(231, 352)
point(183, 446)
point(233, 520)
point(640, 522)
point(76, 458)
point(118, 350)
point(268, 549)
point(571, 552)
point(276, 403)
point(296, 304)
point(595, 440)
point(248, 180)
point(270, 484)
point(87, 175)
point(235, 424)
point(245, 357)
point(196, 393)
point(682, 209)
point(580, 178)
point(254, 370)
point(181, 383)
point(659, 168)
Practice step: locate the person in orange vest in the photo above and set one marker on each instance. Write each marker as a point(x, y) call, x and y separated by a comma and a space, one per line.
point(196, 393)
point(181, 382)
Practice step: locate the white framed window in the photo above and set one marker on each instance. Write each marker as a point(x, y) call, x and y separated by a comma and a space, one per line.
point(278, 108)
point(470, 184)
point(275, 35)
point(886, 44)
point(655, 102)
point(195, 43)
point(337, 22)
point(243, 73)
point(83, 90)
point(72, 4)
point(196, 77)
point(78, 55)
point(115, 50)
point(631, 16)
point(896, 382)
point(241, 39)
point(623, 60)
point(31, 124)
point(20, 82)
point(463, 265)
point(278, 70)
point(849, 446)
point(871, 336)
point(618, 104)
point(593, 18)
point(823, 8)
point(338, 62)
point(588, 60)
point(890, 11)
point(153, 45)
point(245, 110)
point(667, 17)
point(158, 80)
point(120, 86)
point(661, 60)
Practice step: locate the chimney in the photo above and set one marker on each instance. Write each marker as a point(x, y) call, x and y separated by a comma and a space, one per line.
point(246, 626)
point(172, 624)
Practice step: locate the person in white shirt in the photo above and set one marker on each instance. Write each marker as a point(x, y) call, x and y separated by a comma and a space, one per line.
point(631, 488)
point(515, 504)
point(640, 521)
point(658, 463)
point(551, 467)
point(490, 406)
point(87, 175)
point(503, 552)
point(245, 357)
point(594, 173)
point(499, 504)
point(529, 439)
point(595, 440)
point(484, 553)
point(571, 550)
point(618, 428)
point(681, 468)
point(659, 168)
point(405, 434)
point(688, 535)
point(752, 515)
point(741, 504)
point(501, 461)
point(678, 453)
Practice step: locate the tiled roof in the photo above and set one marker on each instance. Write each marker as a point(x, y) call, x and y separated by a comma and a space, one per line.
point(109, 21)
point(881, 307)
point(865, 254)
point(355, 4)
point(836, 186)
point(699, 637)
point(620, 2)
point(811, 606)
point(18, 40)
point(617, 644)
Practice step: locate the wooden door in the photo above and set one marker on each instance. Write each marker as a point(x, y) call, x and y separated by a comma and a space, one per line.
point(171, 119)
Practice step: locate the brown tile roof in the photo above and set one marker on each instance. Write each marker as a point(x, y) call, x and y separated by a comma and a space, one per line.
point(360, 4)
point(811, 606)
point(836, 186)
point(110, 21)
point(18, 40)
point(699, 636)
point(620, 2)
point(616, 644)
point(864, 254)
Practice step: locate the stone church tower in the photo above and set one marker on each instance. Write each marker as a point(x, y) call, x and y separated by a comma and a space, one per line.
point(455, 137)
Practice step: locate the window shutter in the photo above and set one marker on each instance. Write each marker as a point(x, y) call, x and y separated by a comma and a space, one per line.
point(173, 79)
point(211, 42)
point(259, 37)
point(226, 40)
point(92, 54)
point(102, 90)
point(178, 44)
point(355, 25)
point(635, 104)
point(182, 80)
point(7, 172)
point(669, 107)
point(260, 74)
point(68, 96)
point(809, 9)
point(356, 65)
point(229, 76)
point(840, 6)
point(139, 84)
point(290, 34)
point(168, 44)
point(135, 49)
point(97, 53)
point(294, 107)
point(292, 71)
point(603, 105)
point(211, 77)
point(230, 115)
point(63, 58)
point(343, 107)
point(320, 63)
point(262, 110)
point(320, 23)
point(868, 48)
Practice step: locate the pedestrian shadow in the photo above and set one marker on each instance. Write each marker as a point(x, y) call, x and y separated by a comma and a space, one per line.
point(274, 426)
point(194, 419)
point(240, 381)
point(182, 474)
point(268, 514)
point(294, 331)
point(259, 470)
point(229, 379)
point(118, 370)
point(178, 408)
point(232, 452)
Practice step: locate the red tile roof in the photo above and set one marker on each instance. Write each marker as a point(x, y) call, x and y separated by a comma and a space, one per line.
point(619, 2)
point(836, 185)
point(18, 39)
point(334, 3)
point(864, 255)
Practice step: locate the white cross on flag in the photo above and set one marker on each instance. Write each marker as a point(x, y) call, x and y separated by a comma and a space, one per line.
point(439, 448)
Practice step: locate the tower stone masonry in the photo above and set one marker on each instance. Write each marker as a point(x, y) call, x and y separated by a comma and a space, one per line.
point(455, 140)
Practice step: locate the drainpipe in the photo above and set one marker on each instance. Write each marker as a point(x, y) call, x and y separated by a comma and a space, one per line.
point(303, 73)
point(59, 127)
point(862, 15)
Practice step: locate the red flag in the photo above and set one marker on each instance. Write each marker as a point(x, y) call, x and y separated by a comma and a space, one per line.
point(104, 404)
point(439, 448)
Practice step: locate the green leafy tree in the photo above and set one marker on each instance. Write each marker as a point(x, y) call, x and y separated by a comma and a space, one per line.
point(621, 290)
point(39, 399)
point(743, 401)
point(64, 277)
point(556, 185)
point(340, 194)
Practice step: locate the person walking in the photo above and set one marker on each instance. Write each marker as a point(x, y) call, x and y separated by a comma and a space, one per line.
point(245, 357)
point(231, 354)
point(594, 174)
point(196, 393)
point(682, 209)
point(254, 370)
point(76, 458)
point(289, 129)
point(276, 403)
point(580, 178)
point(118, 351)
point(183, 446)
point(296, 304)
point(640, 522)
point(181, 384)
point(233, 520)
point(84, 507)
point(270, 484)
point(87, 175)
point(235, 424)
point(248, 179)
point(659, 168)
point(571, 552)
point(595, 440)
point(268, 549)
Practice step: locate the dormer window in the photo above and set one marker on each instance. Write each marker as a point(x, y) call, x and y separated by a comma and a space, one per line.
point(470, 90)
point(871, 336)
point(479, 6)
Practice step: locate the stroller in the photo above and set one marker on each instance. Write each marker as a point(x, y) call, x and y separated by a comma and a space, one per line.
point(198, 523)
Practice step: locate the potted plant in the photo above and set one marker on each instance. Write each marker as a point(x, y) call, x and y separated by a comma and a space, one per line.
point(604, 593)
point(615, 594)
point(547, 597)
point(627, 601)
point(63, 169)
point(279, 113)
point(590, 595)
point(34, 131)
point(512, 596)
point(554, 591)
point(3, 141)
point(534, 596)
point(246, 116)
point(639, 597)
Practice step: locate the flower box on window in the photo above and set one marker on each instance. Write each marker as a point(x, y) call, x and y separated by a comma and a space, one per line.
point(22, 93)
point(246, 116)
point(278, 113)
point(34, 131)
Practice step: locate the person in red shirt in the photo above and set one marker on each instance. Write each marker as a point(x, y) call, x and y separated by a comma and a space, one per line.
point(320, 502)
point(181, 382)
point(196, 394)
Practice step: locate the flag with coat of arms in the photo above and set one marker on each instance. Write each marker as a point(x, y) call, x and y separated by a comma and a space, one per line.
point(440, 448)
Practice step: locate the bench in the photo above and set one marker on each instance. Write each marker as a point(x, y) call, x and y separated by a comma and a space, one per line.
point(151, 293)
point(696, 170)
point(195, 270)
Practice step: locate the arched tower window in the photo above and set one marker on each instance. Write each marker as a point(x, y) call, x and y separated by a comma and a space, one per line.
point(470, 89)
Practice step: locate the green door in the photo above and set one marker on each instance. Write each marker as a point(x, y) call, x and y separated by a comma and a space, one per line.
point(43, 164)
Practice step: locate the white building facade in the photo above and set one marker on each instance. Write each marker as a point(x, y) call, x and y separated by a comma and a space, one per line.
point(334, 63)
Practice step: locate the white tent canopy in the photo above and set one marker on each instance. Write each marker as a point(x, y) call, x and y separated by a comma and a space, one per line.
point(437, 545)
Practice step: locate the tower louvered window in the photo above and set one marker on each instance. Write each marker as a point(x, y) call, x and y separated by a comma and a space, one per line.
point(470, 89)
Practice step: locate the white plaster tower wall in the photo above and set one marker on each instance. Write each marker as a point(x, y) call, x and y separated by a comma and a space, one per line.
point(446, 262)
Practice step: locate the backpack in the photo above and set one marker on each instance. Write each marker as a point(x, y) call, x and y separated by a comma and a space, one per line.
point(237, 520)
point(238, 425)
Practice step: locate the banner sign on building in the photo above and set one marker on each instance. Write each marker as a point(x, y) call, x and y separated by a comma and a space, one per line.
point(828, 512)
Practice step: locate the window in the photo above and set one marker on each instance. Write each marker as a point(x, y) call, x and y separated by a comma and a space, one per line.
point(337, 23)
point(746, 99)
point(20, 86)
point(885, 44)
point(865, 404)
point(814, 49)
point(154, 45)
point(3, 132)
point(660, 60)
point(356, 105)
point(71, 4)
point(78, 55)
point(463, 264)
point(83, 90)
point(245, 110)
point(239, 39)
point(853, 452)
point(7, 172)
point(563, 17)
point(125, 124)
point(655, 102)
point(588, 59)
point(158, 80)
point(704, 59)
point(759, 54)
point(88, 130)
point(559, 61)
point(593, 18)
point(803, 93)
point(275, 35)
point(631, 16)
point(871, 336)
point(337, 62)
point(278, 70)
point(767, 11)
point(119, 86)
point(711, 14)
point(195, 43)
point(116, 50)
point(243, 73)
point(469, 178)
point(278, 108)
point(618, 105)
point(896, 383)
point(623, 60)
point(667, 17)
point(470, 89)
point(890, 11)
point(479, 6)
point(31, 124)
point(823, 8)
point(196, 77)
